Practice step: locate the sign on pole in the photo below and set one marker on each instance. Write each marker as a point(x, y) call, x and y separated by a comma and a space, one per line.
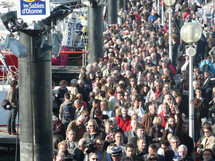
point(69, 35)
point(33, 10)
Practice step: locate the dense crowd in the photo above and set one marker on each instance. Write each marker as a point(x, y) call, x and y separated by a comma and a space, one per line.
point(129, 106)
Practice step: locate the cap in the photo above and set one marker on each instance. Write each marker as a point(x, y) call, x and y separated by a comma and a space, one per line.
point(117, 150)
point(207, 71)
point(74, 81)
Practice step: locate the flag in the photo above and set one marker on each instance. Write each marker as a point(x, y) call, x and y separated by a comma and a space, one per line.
point(212, 12)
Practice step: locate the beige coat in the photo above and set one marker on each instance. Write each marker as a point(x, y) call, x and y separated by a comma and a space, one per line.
point(209, 145)
point(12, 97)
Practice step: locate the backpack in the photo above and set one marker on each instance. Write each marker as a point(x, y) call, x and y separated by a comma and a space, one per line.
point(68, 112)
point(205, 67)
point(6, 104)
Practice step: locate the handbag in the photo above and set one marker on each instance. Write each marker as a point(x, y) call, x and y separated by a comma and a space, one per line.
point(6, 104)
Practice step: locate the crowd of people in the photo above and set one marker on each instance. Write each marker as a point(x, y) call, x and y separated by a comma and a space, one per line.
point(129, 106)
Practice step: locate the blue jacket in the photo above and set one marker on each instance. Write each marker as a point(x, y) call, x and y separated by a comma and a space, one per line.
point(152, 17)
point(212, 70)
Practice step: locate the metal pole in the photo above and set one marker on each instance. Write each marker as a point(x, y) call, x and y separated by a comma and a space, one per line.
point(95, 33)
point(162, 14)
point(120, 4)
point(36, 143)
point(158, 7)
point(191, 109)
point(112, 14)
point(170, 37)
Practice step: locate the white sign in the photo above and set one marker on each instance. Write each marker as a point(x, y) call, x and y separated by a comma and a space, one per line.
point(33, 10)
point(69, 35)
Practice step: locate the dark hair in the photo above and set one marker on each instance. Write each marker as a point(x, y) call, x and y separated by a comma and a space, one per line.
point(111, 91)
point(178, 94)
point(102, 94)
point(98, 112)
point(140, 127)
point(153, 146)
point(62, 82)
point(121, 93)
point(97, 101)
point(165, 142)
point(67, 96)
point(129, 145)
point(209, 150)
point(14, 83)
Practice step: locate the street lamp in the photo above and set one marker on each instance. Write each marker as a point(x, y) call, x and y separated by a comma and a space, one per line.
point(191, 33)
point(170, 3)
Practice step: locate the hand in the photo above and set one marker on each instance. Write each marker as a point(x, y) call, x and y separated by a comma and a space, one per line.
point(167, 126)
point(159, 139)
point(108, 138)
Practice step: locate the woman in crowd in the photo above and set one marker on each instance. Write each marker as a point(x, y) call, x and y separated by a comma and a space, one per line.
point(208, 142)
point(136, 109)
point(156, 131)
point(207, 155)
point(12, 96)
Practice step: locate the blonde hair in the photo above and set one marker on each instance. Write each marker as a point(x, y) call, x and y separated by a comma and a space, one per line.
point(74, 91)
point(118, 111)
point(79, 96)
point(157, 120)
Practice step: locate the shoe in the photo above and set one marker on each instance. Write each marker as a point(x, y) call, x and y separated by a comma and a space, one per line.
point(9, 133)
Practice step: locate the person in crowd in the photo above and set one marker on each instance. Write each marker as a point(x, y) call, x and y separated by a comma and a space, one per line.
point(71, 142)
point(131, 133)
point(12, 96)
point(148, 118)
point(105, 109)
point(141, 133)
point(59, 95)
point(165, 114)
point(157, 90)
point(123, 120)
point(66, 111)
point(164, 146)
point(208, 155)
point(112, 98)
point(78, 108)
point(116, 153)
point(208, 142)
point(136, 109)
point(182, 151)
point(170, 153)
point(156, 131)
point(93, 131)
point(152, 149)
point(56, 137)
point(130, 152)
point(78, 126)
point(186, 139)
point(172, 126)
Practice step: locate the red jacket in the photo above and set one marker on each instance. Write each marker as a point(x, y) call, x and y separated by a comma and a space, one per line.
point(163, 118)
point(123, 124)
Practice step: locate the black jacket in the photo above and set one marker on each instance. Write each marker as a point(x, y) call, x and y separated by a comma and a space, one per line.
point(134, 141)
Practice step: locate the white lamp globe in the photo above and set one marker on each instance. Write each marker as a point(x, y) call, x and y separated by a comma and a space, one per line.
point(169, 2)
point(191, 32)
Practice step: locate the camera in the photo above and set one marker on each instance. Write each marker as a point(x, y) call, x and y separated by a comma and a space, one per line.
point(91, 146)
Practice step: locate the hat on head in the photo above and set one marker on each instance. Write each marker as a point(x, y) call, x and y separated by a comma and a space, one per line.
point(74, 81)
point(207, 71)
point(117, 150)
